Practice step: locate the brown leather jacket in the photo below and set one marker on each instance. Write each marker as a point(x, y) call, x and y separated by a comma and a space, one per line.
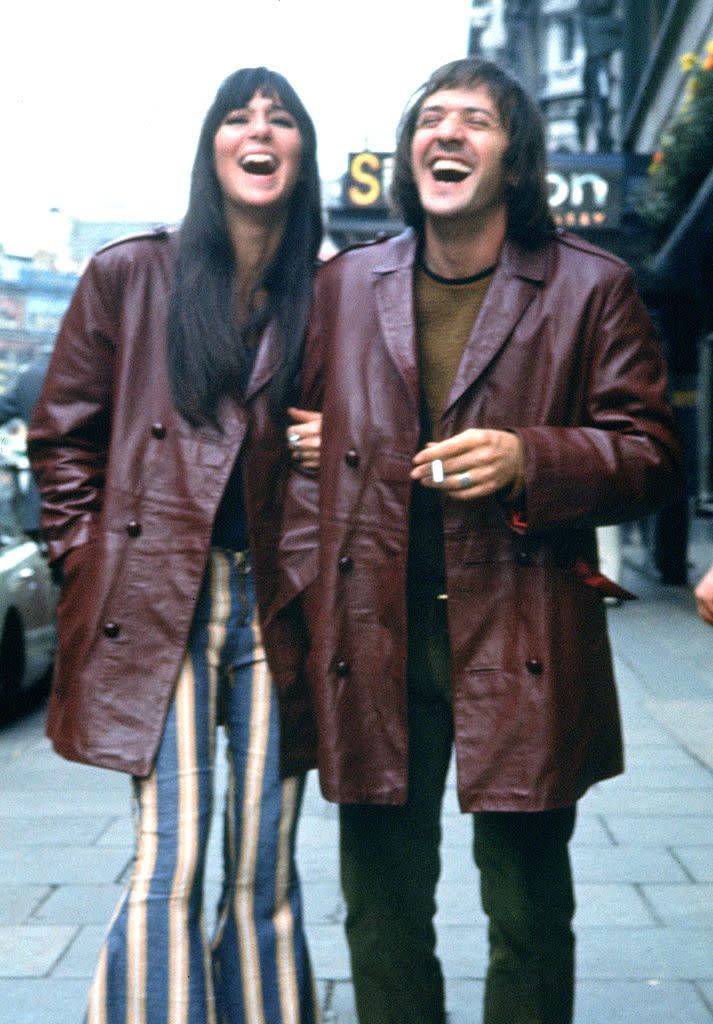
point(562, 353)
point(130, 491)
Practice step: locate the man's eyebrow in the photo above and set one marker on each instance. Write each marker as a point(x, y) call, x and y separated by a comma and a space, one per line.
point(438, 108)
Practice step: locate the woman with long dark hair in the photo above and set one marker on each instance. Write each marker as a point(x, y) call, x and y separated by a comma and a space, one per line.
point(159, 445)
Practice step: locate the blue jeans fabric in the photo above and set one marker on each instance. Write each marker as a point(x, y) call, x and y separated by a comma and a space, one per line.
point(157, 965)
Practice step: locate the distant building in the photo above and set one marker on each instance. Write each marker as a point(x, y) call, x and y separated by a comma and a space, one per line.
point(33, 301)
point(87, 236)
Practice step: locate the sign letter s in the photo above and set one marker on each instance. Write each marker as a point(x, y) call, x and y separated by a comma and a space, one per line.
point(365, 171)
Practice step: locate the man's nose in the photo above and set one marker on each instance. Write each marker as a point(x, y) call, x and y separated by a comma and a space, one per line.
point(450, 128)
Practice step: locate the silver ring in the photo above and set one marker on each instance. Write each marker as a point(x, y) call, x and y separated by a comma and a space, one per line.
point(464, 480)
point(293, 440)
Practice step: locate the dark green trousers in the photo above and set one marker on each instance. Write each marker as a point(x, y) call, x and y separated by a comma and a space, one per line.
point(390, 866)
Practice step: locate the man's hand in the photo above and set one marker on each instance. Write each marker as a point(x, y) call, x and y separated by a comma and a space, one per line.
point(473, 464)
point(704, 597)
point(304, 437)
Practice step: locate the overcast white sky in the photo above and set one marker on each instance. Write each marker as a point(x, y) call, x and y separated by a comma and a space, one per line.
point(101, 103)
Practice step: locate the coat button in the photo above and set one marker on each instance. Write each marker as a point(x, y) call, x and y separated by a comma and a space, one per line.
point(342, 668)
point(345, 563)
point(158, 430)
point(112, 630)
point(534, 666)
point(133, 528)
point(352, 458)
point(523, 557)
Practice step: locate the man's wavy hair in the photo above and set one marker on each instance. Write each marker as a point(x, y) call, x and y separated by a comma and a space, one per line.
point(529, 220)
point(208, 354)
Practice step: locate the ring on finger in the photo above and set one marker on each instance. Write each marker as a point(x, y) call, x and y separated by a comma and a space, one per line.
point(464, 480)
point(293, 440)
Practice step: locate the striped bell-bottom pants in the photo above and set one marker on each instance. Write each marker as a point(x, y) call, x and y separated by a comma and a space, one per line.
point(157, 965)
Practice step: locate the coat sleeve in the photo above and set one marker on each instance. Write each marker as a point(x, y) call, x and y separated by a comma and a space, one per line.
point(622, 459)
point(69, 432)
point(299, 542)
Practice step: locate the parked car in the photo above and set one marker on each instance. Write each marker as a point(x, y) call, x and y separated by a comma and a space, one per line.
point(27, 594)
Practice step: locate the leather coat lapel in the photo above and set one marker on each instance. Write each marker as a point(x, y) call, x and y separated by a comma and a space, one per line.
point(516, 282)
point(265, 361)
point(393, 286)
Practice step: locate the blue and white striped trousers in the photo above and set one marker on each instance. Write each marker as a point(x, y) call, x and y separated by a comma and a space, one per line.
point(157, 965)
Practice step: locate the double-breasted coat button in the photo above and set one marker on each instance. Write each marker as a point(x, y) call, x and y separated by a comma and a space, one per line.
point(158, 430)
point(534, 666)
point(345, 563)
point(523, 557)
point(342, 668)
point(352, 458)
point(112, 630)
point(133, 528)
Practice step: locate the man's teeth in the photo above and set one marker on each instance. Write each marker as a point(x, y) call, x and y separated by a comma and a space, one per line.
point(449, 170)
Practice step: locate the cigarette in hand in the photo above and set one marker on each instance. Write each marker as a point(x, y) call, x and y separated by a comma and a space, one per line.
point(437, 474)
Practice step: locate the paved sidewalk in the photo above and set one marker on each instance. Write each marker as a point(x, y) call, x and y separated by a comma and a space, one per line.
point(642, 853)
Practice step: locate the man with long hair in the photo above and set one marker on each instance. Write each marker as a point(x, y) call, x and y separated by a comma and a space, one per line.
point(491, 391)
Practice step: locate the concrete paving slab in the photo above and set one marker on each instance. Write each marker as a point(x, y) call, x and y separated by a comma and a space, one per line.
point(680, 954)
point(652, 756)
point(119, 831)
point(625, 864)
point(691, 721)
point(71, 904)
point(661, 802)
point(30, 951)
point(318, 862)
point(590, 830)
point(41, 865)
point(635, 1002)
point(18, 901)
point(51, 830)
point(16, 803)
point(684, 906)
point(46, 772)
point(611, 906)
point(463, 1002)
point(646, 734)
point(459, 903)
point(646, 830)
point(323, 903)
point(330, 955)
point(705, 988)
point(42, 1001)
point(463, 950)
point(698, 861)
point(693, 776)
point(80, 958)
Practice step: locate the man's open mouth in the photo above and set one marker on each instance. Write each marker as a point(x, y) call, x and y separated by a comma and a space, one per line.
point(446, 169)
point(259, 163)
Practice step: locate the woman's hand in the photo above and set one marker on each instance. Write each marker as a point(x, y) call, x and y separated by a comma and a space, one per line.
point(304, 437)
point(472, 464)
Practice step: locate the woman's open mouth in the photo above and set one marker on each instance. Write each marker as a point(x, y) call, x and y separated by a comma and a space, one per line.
point(259, 163)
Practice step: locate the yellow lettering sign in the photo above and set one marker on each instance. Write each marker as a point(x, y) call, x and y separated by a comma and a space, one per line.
point(367, 189)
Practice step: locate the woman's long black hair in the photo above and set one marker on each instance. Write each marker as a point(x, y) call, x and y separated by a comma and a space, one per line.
point(207, 353)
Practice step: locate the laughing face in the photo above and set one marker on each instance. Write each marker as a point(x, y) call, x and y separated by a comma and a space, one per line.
point(258, 152)
point(457, 155)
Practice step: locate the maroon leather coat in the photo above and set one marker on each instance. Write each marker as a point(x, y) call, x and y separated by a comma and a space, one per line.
point(562, 353)
point(130, 491)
